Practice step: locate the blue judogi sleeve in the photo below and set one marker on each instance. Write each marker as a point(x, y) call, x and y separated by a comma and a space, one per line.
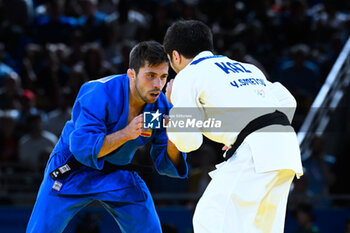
point(161, 159)
point(159, 153)
point(89, 114)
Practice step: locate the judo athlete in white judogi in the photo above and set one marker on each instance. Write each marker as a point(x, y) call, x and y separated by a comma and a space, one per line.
point(248, 192)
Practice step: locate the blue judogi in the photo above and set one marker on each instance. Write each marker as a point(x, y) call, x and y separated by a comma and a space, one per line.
point(101, 108)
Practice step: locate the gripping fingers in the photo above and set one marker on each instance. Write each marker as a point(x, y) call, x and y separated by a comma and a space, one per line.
point(139, 125)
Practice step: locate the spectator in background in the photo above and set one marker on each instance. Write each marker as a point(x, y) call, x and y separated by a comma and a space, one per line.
point(297, 23)
point(8, 138)
point(107, 6)
point(76, 44)
point(31, 64)
point(301, 77)
point(93, 22)
point(28, 108)
point(18, 12)
point(57, 118)
point(202, 162)
point(15, 29)
point(254, 37)
point(10, 92)
point(328, 20)
point(130, 19)
point(61, 52)
point(5, 70)
point(160, 22)
point(318, 170)
point(298, 192)
point(53, 26)
point(111, 44)
point(34, 143)
point(94, 63)
point(238, 52)
point(52, 75)
point(305, 219)
point(77, 78)
point(191, 11)
point(328, 55)
point(43, 158)
point(124, 58)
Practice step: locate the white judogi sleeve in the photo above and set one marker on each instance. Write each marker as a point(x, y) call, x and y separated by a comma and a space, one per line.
point(286, 100)
point(185, 95)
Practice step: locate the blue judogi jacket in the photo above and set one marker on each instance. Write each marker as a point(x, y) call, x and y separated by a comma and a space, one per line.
point(101, 108)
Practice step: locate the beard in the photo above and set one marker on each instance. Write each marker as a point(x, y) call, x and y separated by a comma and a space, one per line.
point(142, 95)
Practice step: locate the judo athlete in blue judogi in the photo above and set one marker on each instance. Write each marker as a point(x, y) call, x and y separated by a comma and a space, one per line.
point(90, 161)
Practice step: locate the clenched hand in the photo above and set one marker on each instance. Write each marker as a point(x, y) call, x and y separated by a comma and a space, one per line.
point(133, 129)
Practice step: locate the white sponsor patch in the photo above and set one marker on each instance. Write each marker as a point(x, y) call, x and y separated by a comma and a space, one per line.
point(64, 168)
point(57, 186)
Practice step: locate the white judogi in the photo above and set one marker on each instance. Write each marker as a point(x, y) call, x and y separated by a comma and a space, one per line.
point(248, 193)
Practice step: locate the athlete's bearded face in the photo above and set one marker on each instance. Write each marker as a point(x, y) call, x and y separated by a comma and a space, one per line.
point(150, 81)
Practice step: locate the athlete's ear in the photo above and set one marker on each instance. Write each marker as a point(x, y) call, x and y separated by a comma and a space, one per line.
point(176, 57)
point(131, 73)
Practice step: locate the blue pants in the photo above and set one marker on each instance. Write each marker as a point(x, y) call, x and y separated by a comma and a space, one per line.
point(52, 212)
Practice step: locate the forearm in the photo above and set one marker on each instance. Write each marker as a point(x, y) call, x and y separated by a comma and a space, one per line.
point(173, 153)
point(112, 142)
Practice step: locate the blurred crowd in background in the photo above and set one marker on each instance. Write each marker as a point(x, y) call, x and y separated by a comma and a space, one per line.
point(49, 48)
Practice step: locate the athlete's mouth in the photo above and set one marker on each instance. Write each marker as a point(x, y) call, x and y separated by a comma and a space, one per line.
point(155, 94)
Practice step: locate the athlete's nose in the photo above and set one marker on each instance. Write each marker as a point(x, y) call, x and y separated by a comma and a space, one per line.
point(157, 83)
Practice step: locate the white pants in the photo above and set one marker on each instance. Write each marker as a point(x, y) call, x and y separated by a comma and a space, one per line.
point(239, 200)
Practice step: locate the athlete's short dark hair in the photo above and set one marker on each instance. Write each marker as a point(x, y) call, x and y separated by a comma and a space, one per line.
point(188, 37)
point(147, 51)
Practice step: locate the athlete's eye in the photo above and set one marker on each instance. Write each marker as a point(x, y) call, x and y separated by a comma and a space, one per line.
point(151, 75)
point(164, 76)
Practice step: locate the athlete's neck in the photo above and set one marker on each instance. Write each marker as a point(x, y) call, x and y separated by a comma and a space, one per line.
point(184, 63)
point(135, 101)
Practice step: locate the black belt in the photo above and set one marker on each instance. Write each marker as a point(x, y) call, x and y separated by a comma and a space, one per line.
point(275, 118)
point(72, 164)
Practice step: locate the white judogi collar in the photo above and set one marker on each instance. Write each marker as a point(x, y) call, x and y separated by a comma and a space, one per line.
point(202, 55)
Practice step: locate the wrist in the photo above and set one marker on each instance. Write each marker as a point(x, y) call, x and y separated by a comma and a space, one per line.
point(124, 136)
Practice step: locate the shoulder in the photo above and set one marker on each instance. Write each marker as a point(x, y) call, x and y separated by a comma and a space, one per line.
point(187, 77)
point(104, 86)
point(105, 82)
point(119, 78)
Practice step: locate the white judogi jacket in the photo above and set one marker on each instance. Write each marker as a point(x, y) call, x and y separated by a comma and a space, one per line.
point(216, 87)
